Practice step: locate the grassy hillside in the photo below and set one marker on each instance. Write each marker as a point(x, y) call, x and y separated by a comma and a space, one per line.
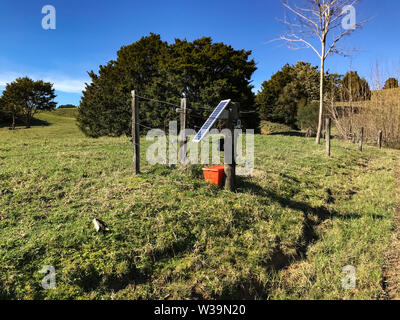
point(286, 233)
point(66, 112)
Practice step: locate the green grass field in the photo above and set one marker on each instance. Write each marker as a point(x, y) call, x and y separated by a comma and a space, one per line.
point(173, 236)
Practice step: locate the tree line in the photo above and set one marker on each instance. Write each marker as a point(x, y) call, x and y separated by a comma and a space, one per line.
point(205, 73)
point(202, 71)
point(291, 95)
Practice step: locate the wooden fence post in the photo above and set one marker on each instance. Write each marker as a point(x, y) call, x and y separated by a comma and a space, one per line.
point(380, 139)
point(328, 136)
point(135, 134)
point(182, 139)
point(230, 151)
point(361, 139)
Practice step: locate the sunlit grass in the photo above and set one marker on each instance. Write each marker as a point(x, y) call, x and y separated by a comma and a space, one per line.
point(174, 236)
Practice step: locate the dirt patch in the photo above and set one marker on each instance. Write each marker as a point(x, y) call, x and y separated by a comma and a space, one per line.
point(391, 269)
point(265, 131)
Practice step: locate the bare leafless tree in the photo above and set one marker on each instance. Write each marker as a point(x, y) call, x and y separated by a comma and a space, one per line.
point(323, 22)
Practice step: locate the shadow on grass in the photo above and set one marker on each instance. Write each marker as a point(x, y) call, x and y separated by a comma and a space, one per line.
point(21, 124)
point(289, 134)
point(321, 212)
point(41, 123)
point(313, 217)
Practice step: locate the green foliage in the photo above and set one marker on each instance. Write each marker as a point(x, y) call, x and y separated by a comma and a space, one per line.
point(391, 83)
point(307, 118)
point(3, 116)
point(354, 88)
point(25, 97)
point(11, 103)
point(202, 71)
point(333, 87)
point(286, 91)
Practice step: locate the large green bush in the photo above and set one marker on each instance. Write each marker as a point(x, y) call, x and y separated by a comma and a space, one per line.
point(201, 71)
point(354, 88)
point(391, 83)
point(1, 116)
point(307, 118)
point(286, 91)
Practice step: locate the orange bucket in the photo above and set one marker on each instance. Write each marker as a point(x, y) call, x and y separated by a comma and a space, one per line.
point(214, 175)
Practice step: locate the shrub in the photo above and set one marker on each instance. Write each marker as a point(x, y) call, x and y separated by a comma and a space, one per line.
point(391, 83)
point(307, 118)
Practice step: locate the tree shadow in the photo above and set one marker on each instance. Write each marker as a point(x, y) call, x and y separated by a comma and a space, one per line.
point(39, 123)
point(313, 217)
point(20, 124)
point(322, 212)
point(289, 134)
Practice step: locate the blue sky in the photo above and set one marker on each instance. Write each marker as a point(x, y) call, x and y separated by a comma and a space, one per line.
point(90, 32)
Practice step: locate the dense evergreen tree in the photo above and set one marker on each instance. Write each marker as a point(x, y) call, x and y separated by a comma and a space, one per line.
point(268, 96)
point(287, 90)
point(391, 83)
point(11, 103)
point(202, 71)
point(354, 88)
point(4, 117)
point(307, 118)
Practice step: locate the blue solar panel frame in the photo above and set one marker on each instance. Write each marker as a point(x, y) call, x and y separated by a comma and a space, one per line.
point(211, 120)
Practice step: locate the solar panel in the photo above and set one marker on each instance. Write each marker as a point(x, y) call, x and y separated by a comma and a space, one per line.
point(211, 120)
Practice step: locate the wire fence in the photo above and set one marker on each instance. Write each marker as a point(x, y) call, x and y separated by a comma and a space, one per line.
point(187, 109)
point(103, 147)
point(158, 101)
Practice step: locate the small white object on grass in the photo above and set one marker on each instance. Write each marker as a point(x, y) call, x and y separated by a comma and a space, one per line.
point(100, 225)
